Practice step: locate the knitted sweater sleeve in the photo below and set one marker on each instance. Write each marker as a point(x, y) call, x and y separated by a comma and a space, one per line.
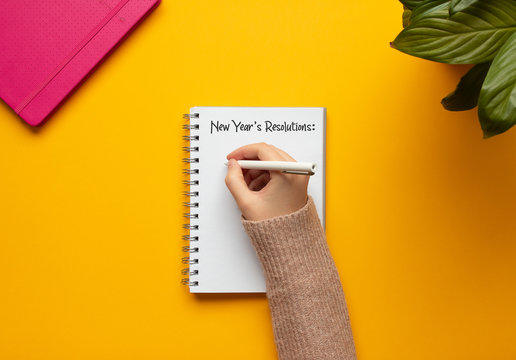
point(308, 310)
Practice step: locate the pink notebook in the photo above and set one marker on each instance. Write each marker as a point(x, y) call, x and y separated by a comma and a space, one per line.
point(47, 47)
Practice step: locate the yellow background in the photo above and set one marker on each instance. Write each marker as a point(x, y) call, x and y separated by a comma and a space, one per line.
point(420, 209)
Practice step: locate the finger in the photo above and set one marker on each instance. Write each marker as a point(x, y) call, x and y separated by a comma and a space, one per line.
point(260, 151)
point(260, 182)
point(284, 154)
point(254, 173)
point(286, 157)
point(235, 182)
point(247, 177)
point(251, 174)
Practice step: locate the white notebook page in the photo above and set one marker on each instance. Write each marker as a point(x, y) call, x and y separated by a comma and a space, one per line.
point(226, 259)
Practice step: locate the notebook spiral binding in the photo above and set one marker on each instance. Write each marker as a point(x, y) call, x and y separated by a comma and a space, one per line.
point(191, 204)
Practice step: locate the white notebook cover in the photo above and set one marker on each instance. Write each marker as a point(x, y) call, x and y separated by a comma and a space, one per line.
point(226, 260)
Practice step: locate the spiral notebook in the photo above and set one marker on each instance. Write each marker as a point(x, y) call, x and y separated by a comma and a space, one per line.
point(220, 257)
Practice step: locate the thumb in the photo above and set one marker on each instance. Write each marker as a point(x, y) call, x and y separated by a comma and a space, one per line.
point(235, 181)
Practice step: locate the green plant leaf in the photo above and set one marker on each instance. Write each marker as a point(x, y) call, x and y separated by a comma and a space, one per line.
point(417, 11)
point(465, 96)
point(412, 4)
point(497, 101)
point(471, 36)
point(407, 13)
point(459, 5)
point(440, 8)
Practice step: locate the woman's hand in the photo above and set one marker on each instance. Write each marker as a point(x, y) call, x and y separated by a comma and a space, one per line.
point(262, 194)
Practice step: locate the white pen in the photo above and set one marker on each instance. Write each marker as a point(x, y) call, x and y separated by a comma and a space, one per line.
point(289, 167)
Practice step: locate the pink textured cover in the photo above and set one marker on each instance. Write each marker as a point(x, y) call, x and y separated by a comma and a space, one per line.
point(48, 46)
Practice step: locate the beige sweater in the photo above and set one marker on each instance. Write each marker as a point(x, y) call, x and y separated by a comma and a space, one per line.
point(309, 315)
